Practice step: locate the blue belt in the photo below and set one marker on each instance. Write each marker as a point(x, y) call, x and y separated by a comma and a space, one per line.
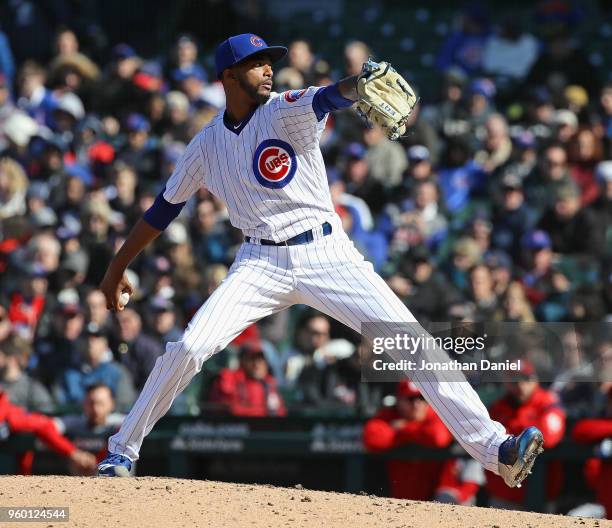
point(302, 238)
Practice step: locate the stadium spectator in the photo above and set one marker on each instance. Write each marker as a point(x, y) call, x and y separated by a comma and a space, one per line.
point(553, 173)
point(191, 81)
point(29, 298)
point(459, 175)
point(90, 429)
point(410, 421)
point(23, 390)
point(98, 414)
point(597, 432)
point(546, 287)
point(125, 182)
point(163, 320)
point(465, 47)
point(516, 306)
point(18, 129)
point(301, 57)
point(419, 168)
point(210, 234)
point(422, 287)
point(603, 205)
point(96, 365)
point(355, 54)
point(59, 349)
point(526, 402)
point(605, 101)
point(501, 268)
point(178, 126)
point(561, 63)
point(571, 228)
point(482, 293)
point(15, 420)
point(67, 111)
point(465, 254)
point(115, 91)
point(95, 308)
point(13, 187)
point(480, 108)
point(497, 145)
point(360, 181)
point(249, 390)
point(141, 151)
point(7, 63)
point(513, 217)
point(510, 51)
point(445, 115)
point(66, 41)
point(566, 123)
point(34, 97)
point(331, 378)
point(424, 212)
point(524, 157)
point(573, 384)
point(585, 151)
point(134, 349)
point(386, 159)
point(185, 52)
point(313, 333)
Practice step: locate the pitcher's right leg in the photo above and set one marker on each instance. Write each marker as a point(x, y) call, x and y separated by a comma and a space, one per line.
point(258, 285)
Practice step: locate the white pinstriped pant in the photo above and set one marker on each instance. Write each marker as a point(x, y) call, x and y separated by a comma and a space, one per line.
point(330, 275)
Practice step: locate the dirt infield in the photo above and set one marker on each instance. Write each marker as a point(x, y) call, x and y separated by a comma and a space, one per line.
point(149, 502)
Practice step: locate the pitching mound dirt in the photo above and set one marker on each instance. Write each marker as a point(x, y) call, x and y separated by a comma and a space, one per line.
point(148, 502)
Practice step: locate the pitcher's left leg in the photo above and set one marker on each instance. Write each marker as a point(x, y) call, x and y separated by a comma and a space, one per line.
point(335, 279)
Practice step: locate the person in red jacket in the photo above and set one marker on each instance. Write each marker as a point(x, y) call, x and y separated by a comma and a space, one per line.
point(411, 421)
point(250, 390)
point(598, 471)
point(14, 420)
point(527, 403)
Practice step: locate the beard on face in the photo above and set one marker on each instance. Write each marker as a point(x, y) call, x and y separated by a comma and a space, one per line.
point(252, 91)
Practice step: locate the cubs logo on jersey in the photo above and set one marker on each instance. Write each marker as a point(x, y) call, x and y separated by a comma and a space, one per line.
point(274, 163)
point(293, 95)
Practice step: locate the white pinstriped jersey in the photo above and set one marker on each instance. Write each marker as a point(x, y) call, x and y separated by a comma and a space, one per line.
point(270, 175)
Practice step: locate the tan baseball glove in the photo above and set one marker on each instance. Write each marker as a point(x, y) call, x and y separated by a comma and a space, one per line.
point(385, 97)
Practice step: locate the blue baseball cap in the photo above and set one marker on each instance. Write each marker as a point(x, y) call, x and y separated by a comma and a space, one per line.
point(188, 72)
point(123, 51)
point(484, 87)
point(355, 151)
point(536, 240)
point(239, 47)
point(137, 123)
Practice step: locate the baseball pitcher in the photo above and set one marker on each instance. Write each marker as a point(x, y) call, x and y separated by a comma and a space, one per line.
point(261, 157)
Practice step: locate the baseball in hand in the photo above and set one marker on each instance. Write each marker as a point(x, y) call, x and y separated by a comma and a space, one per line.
point(124, 298)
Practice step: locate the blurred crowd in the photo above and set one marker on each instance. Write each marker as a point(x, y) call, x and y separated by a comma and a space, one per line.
point(495, 207)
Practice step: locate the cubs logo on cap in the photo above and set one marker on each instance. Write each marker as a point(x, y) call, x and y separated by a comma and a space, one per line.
point(274, 163)
point(293, 95)
point(240, 47)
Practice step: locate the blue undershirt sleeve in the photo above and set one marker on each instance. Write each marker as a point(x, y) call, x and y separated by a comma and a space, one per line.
point(162, 212)
point(328, 99)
